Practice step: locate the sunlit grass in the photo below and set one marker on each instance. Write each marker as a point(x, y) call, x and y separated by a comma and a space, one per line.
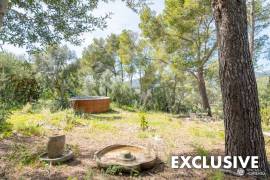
point(27, 124)
point(209, 130)
point(101, 126)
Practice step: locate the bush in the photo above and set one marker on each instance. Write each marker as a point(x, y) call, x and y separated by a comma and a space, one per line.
point(123, 94)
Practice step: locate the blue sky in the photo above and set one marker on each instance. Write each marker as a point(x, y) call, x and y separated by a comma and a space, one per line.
point(122, 18)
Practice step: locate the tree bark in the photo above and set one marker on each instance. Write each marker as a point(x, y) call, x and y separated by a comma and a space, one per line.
point(252, 29)
point(203, 92)
point(242, 121)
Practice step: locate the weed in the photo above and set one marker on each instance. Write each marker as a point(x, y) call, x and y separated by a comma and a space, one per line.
point(200, 150)
point(144, 124)
point(114, 170)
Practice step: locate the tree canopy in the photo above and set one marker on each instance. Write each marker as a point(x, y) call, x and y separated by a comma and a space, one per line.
point(35, 24)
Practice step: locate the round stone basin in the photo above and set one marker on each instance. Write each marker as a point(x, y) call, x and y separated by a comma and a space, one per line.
point(127, 156)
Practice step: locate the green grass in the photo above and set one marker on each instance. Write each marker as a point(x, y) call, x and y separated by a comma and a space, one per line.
point(27, 124)
point(35, 123)
point(103, 126)
point(206, 131)
point(5, 130)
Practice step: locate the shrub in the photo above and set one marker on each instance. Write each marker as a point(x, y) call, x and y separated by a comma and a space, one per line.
point(123, 94)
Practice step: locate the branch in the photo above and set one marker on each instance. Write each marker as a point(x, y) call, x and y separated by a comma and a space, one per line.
point(192, 73)
point(209, 54)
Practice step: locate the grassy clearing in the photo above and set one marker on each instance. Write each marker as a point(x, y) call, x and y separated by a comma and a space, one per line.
point(164, 132)
point(117, 121)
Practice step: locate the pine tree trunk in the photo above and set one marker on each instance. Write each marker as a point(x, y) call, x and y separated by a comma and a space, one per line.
point(252, 29)
point(203, 92)
point(243, 132)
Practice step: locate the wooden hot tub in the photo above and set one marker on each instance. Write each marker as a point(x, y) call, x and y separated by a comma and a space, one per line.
point(92, 104)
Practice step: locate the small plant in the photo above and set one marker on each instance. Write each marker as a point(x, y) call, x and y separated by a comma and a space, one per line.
point(118, 170)
point(200, 150)
point(114, 170)
point(144, 124)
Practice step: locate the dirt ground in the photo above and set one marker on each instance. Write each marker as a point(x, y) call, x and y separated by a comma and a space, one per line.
point(167, 134)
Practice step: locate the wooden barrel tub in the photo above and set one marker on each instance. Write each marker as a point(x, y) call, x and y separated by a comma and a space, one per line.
point(93, 104)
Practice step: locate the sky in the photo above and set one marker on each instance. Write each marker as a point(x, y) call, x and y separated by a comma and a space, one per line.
point(122, 18)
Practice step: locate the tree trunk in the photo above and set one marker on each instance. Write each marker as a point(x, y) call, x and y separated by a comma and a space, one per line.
point(122, 72)
point(174, 94)
point(203, 92)
point(252, 29)
point(242, 121)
